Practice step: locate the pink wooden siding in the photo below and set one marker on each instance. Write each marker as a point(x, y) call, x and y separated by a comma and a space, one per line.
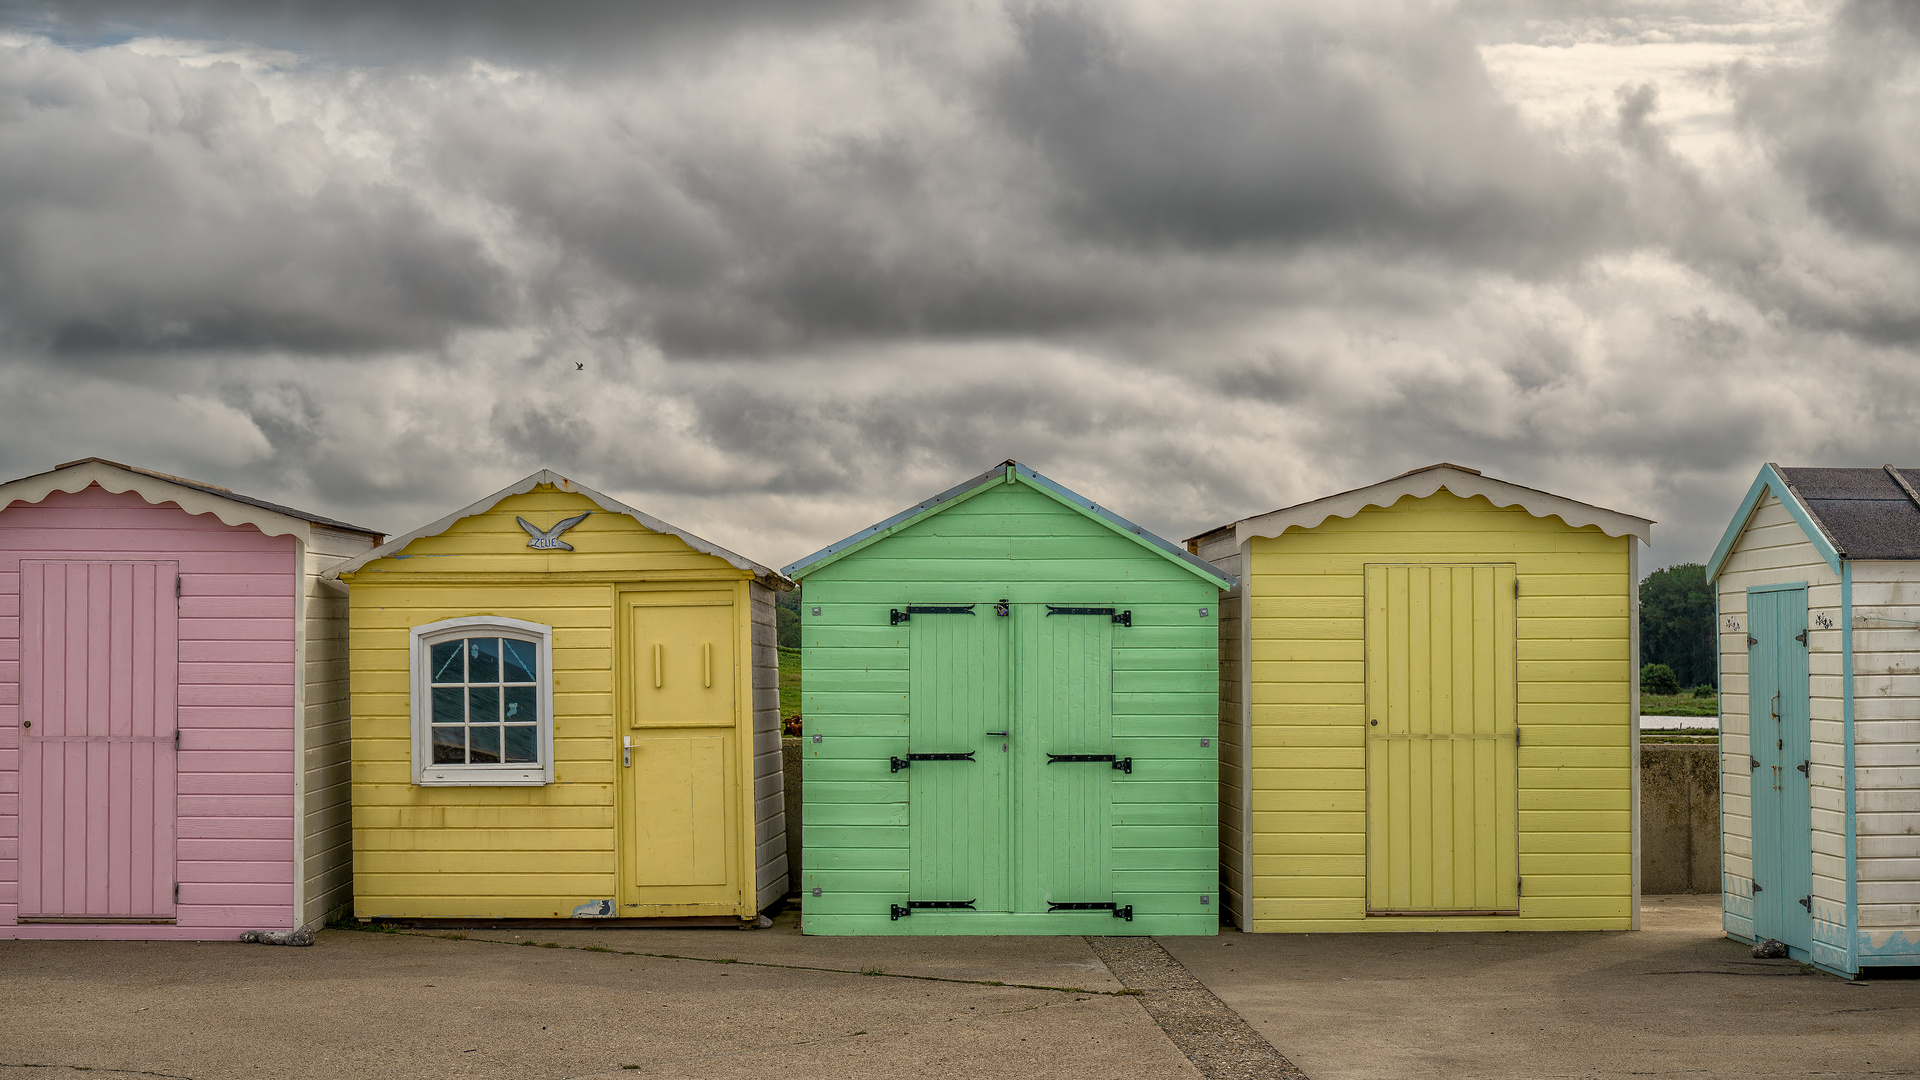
point(99, 658)
point(234, 846)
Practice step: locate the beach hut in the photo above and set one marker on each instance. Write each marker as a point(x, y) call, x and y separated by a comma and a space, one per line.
point(1430, 720)
point(173, 706)
point(1009, 705)
point(563, 708)
point(1817, 583)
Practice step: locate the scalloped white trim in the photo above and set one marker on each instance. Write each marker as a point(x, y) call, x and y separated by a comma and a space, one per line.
point(77, 478)
point(767, 575)
point(1426, 482)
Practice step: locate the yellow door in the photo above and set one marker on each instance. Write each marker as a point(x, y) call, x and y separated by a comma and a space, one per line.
point(679, 771)
point(1442, 768)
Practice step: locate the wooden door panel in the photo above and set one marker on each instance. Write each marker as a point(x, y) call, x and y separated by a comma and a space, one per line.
point(1778, 710)
point(683, 665)
point(98, 691)
point(1064, 810)
point(957, 824)
point(1442, 763)
point(681, 791)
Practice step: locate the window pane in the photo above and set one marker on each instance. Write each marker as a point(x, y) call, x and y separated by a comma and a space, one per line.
point(522, 704)
point(521, 661)
point(449, 746)
point(483, 659)
point(449, 705)
point(483, 704)
point(446, 662)
point(523, 744)
point(486, 744)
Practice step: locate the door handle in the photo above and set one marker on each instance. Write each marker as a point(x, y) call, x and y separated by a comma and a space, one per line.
point(659, 652)
point(626, 751)
point(1776, 706)
point(706, 662)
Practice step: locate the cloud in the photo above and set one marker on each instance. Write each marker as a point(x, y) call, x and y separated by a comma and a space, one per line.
point(795, 272)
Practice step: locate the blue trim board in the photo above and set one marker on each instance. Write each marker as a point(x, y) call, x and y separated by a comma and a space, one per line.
point(1771, 480)
point(1846, 731)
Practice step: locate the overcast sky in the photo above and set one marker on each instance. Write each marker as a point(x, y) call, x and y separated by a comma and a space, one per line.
point(775, 269)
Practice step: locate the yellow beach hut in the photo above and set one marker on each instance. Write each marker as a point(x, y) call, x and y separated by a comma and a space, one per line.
point(563, 708)
point(1428, 717)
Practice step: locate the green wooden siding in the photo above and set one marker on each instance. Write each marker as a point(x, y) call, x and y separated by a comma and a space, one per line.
point(1015, 830)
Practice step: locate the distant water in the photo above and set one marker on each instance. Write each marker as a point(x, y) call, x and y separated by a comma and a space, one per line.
point(1669, 723)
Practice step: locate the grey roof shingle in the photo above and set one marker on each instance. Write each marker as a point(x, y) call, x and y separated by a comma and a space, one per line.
point(1865, 512)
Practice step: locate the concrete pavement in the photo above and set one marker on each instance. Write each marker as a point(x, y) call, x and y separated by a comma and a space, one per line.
point(1675, 998)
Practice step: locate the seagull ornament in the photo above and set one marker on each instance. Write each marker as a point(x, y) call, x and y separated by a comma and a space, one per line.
point(549, 540)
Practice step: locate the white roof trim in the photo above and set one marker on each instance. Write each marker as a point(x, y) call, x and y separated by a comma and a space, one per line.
point(77, 478)
point(1459, 481)
point(547, 476)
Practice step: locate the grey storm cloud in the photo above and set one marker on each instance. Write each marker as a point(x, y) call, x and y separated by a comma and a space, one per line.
point(774, 271)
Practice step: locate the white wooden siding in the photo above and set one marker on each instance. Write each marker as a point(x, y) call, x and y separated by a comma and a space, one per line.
point(1222, 552)
point(327, 813)
point(1773, 550)
point(1886, 747)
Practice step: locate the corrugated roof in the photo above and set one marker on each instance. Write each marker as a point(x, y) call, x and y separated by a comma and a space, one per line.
point(833, 551)
point(1868, 513)
point(215, 489)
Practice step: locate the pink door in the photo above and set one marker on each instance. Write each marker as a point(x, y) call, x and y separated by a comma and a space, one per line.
point(99, 671)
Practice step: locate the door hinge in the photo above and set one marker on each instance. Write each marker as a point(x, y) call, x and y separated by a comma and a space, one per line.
point(1519, 886)
point(1120, 764)
point(1802, 769)
point(1118, 911)
point(1807, 902)
point(176, 586)
point(895, 764)
point(1516, 737)
point(1757, 888)
point(1752, 641)
point(896, 616)
point(1516, 588)
point(176, 892)
point(1753, 763)
point(1801, 637)
point(1121, 618)
point(176, 738)
point(898, 912)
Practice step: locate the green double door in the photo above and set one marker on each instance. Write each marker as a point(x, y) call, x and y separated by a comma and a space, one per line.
point(1000, 816)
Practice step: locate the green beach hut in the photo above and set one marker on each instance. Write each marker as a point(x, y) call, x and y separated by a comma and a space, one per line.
point(1010, 700)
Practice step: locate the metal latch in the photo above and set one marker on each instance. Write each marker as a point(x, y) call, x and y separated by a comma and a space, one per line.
point(1118, 911)
point(895, 764)
point(896, 616)
point(1122, 618)
point(1124, 765)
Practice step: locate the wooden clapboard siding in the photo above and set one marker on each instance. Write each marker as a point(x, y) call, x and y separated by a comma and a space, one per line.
point(1773, 550)
point(326, 811)
point(236, 646)
point(1016, 543)
point(530, 852)
point(1306, 603)
point(1223, 551)
point(1886, 755)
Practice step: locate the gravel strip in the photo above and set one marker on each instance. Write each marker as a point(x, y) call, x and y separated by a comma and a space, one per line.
point(1214, 1037)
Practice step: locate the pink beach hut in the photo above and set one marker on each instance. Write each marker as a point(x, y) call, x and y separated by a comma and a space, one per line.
point(173, 709)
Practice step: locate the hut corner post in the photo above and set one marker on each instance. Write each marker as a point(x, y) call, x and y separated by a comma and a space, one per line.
point(1633, 708)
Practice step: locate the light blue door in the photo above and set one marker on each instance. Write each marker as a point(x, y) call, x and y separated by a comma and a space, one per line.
point(1782, 792)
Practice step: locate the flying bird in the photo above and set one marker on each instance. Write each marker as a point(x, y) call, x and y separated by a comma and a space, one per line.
point(550, 539)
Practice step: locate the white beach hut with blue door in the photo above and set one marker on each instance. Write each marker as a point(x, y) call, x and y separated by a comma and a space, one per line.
point(1817, 583)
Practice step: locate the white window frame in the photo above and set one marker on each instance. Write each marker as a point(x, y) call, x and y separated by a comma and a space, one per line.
point(420, 642)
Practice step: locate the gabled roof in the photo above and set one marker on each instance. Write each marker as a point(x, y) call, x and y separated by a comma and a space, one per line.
point(1847, 514)
point(1423, 482)
point(229, 506)
point(1009, 472)
point(766, 575)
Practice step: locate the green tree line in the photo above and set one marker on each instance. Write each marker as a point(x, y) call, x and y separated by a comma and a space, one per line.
point(1676, 623)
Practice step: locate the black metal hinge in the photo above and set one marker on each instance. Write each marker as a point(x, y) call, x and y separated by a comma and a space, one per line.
point(1519, 886)
point(1803, 767)
point(176, 587)
point(896, 616)
point(898, 912)
point(176, 738)
point(1118, 911)
point(1122, 618)
point(1752, 641)
point(896, 764)
point(1120, 764)
point(1753, 763)
point(1807, 902)
point(1801, 637)
point(1757, 888)
point(176, 892)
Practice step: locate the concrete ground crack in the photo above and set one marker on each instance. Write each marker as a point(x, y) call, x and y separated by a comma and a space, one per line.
point(101, 1070)
point(1218, 1042)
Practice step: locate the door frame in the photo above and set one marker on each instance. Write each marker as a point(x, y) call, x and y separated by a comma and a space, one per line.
point(744, 903)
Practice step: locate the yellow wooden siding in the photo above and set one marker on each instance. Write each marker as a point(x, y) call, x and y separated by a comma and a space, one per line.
point(515, 852)
point(1308, 661)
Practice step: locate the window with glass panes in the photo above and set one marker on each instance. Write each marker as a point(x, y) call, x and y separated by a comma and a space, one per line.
point(486, 701)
